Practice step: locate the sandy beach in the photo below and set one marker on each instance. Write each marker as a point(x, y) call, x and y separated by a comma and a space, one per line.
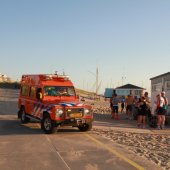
point(149, 143)
point(154, 147)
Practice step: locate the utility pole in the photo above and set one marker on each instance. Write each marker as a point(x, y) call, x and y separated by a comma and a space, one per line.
point(97, 79)
point(96, 85)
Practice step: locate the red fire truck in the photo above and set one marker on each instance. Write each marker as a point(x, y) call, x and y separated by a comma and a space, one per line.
point(51, 99)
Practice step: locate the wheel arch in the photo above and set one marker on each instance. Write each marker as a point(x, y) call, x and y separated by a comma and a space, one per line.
point(46, 113)
point(22, 108)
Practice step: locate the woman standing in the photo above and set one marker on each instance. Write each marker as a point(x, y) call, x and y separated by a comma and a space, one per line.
point(142, 113)
point(160, 111)
point(162, 103)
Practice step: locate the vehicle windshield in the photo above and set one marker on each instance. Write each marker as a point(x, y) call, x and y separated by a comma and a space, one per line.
point(59, 91)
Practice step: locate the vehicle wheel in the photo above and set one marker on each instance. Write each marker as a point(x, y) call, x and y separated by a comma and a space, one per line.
point(23, 117)
point(47, 125)
point(85, 127)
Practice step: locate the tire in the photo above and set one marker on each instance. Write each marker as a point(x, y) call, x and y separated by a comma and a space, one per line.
point(85, 127)
point(47, 125)
point(23, 117)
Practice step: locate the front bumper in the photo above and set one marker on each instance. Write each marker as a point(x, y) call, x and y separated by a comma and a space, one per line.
point(73, 122)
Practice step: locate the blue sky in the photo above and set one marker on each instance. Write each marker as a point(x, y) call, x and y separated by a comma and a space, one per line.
point(123, 38)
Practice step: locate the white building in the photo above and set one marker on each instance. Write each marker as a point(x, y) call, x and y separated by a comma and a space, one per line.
point(129, 89)
point(125, 90)
point(158, 84)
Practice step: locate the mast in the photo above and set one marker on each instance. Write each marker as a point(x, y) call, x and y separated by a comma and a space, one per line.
point(97, 79)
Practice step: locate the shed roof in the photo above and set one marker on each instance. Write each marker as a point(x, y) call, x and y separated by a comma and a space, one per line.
point(160, 75)
point(130, 86)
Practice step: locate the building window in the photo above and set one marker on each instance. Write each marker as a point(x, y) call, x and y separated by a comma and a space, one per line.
point(137, 92)
point(156, 87)
point(168, 85)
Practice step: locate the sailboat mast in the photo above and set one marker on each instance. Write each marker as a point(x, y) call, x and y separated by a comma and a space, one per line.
point(97, 79)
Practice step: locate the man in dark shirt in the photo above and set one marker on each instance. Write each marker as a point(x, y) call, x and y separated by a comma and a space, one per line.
point(115, 102)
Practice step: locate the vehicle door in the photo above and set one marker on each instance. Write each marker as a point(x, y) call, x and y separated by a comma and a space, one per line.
point(32, 100)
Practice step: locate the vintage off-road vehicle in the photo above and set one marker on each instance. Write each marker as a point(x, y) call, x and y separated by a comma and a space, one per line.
point(51, 99)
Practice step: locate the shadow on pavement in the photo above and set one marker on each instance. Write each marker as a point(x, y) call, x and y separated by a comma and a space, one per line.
point(14, 127)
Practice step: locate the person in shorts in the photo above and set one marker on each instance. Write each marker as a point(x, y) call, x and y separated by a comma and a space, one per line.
point(165, 108)
point(142, 112)
point(160, 112)
point(115, 102)
point(129, 104)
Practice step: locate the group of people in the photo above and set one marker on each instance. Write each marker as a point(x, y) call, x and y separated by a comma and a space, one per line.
point(127, 103)
point(142, 106)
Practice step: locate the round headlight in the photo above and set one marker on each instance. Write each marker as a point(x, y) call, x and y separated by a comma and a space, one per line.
point(86, 111)
point(59, 112)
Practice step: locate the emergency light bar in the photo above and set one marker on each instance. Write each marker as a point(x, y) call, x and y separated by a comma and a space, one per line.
point(55, 76)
